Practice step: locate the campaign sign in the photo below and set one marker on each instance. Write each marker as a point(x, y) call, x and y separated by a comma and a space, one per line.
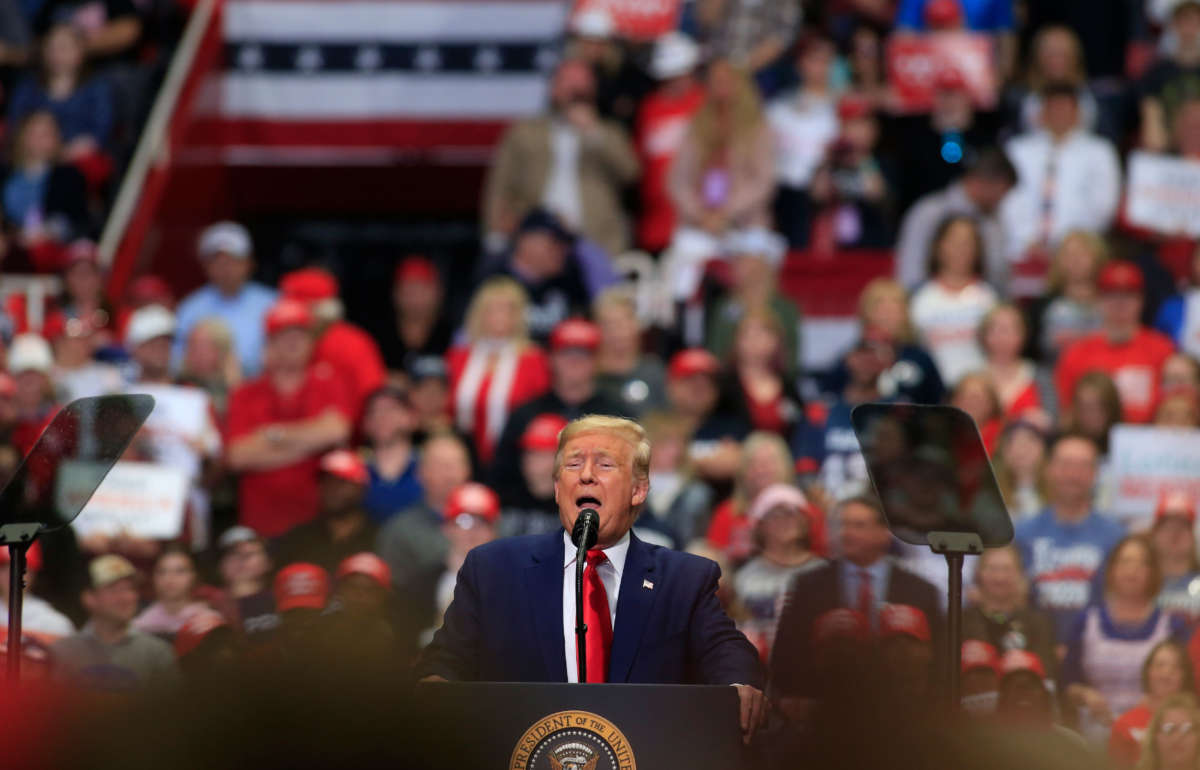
point(1146, 462)
point(636, 19)
point(1164, 194)
point(914, 63)
point(139, 499)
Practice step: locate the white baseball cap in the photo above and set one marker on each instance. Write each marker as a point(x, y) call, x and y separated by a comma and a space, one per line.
point(30, 353)
point(595, 23)
point(756, 242)
point(225, 238)
point(147, 323)
point(675, 54)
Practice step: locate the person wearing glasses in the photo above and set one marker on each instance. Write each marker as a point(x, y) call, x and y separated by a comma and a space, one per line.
point(1171, 743)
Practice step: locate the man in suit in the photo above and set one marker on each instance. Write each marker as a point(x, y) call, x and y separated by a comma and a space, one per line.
point(864, 579)
point(513, 614)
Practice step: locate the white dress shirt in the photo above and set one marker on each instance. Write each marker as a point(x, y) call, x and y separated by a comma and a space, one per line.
point(610, 575)
point(1087, 187)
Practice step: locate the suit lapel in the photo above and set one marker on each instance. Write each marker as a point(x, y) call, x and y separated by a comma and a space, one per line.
point(633, 607)
point(544, 586)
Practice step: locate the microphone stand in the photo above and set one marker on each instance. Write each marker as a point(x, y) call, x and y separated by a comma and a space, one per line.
point(580, 626)
point(584, 535)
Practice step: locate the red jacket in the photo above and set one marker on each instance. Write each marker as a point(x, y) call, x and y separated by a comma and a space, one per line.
point(353, 354)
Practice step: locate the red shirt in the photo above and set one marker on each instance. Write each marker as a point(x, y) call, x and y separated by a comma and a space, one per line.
point(662, 123)
point(1125, 740)
point(1134, 366)
point(730, 531)
point(352, 353)
point(273, 501)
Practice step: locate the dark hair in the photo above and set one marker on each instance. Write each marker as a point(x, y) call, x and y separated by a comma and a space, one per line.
point(175, 549)
point(40, 63)
point(867, 500)
point(1185, 662)
point(992, 164)
point(943, 227)
point(1071, 435)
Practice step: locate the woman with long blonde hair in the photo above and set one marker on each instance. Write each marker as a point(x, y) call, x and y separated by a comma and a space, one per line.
point(723, 175)
point(498, 367)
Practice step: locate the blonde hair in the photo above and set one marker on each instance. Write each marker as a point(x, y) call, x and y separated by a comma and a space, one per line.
point(615, 297)
point(1094, 243)
point(755, 441)
point(885, 287)
point(711, 133)
point(498, 288)
point(1149, 759)
point(628, 430)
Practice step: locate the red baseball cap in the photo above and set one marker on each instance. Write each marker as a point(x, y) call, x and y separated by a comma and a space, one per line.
point(903, 619)
point(853, 107)
point(943, 14)
point(542, 432)
point(286, 314)
point(693, 361)
point(472, 498)
point(1021, 660)
point(839, 624)
point(82, 250)
point(575, 333)
point(301, 585)
point(1175, 503)
point(345, 465)
point(33, 557)
point(416, 269)
point(1120, 275)
point(195, 630)
point(309, 284)
point(366, 563)
point(977, 653)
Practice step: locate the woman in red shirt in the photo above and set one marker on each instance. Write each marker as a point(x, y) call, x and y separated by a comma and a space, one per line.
point(498, 368)
point(1167, 671)
point(759, 386)
point(766, 460)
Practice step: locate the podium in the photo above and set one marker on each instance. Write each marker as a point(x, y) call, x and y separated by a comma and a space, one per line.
point(517, 726)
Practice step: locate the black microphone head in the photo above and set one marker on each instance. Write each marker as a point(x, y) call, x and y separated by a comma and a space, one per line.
point(586, 526)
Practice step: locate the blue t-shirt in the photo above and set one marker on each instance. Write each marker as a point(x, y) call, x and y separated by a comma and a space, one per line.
point(386, 498)
point(1064, 562)
point(244, 314)
point(980, 15)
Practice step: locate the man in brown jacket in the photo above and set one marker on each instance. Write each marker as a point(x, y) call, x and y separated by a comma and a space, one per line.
point(569, 161)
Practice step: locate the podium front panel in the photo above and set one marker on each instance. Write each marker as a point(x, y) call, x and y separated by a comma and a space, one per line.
point(511, 726)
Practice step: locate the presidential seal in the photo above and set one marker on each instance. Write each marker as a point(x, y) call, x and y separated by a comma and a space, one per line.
point(572, 740)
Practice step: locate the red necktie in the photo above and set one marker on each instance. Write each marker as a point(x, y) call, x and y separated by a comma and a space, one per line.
point(596, 617)
point(866, 597)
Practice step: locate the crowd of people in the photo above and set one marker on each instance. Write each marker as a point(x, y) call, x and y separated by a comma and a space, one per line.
point(339, 474)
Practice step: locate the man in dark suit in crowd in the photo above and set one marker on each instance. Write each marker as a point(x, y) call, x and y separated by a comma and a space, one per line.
point(513, 614)
point(863, 579)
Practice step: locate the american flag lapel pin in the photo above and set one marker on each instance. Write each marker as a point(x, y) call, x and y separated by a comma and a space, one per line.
point(648, 585)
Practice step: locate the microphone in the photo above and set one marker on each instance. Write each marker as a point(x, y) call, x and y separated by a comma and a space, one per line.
point(587, 526)
point(584, 535)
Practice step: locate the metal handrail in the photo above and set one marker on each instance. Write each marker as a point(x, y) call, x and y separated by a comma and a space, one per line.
point(152, 147)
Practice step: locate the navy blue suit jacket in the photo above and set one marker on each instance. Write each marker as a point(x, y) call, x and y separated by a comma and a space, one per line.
point(505, 623)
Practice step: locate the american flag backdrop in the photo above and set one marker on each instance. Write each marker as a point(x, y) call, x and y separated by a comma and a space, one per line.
point(381, 73)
